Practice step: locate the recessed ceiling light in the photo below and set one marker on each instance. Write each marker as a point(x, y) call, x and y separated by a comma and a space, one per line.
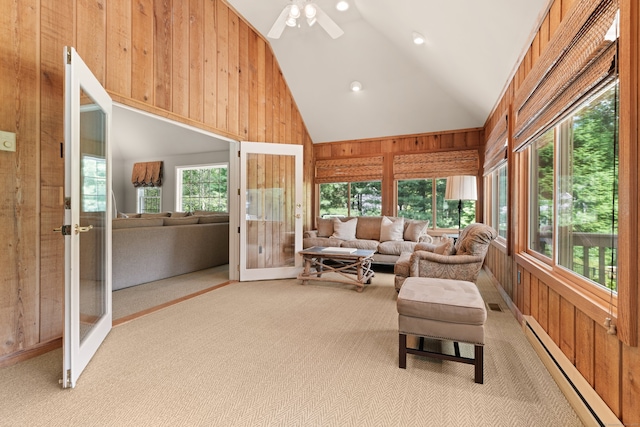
point(418, 38)
point(356, 86)
point(342, 5)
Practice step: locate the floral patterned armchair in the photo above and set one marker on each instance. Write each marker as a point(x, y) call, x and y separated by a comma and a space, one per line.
point(445, 260)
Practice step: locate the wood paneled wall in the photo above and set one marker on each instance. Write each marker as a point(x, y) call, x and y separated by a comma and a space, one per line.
point(388, 147)
point(194, 61)
point(574, 323)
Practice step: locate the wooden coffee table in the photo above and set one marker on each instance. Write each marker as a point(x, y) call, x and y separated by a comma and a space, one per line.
point(352, 266)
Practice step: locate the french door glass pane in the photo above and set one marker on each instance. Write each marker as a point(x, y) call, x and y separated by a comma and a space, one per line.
point(270, 211)
point(93, 304)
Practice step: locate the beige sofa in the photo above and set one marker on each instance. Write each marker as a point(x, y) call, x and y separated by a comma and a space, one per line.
point(388, 236)
point(154, 248)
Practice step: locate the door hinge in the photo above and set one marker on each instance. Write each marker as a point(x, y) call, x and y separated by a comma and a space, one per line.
point(67, 202)
point(238, 191)
point(238, 153)
point(62, 382)
point(64, 229)
point(238, 230)
point(68, 55)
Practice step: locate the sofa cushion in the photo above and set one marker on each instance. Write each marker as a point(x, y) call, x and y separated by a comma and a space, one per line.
point(208, 213)
point(344, 230)
point(155, 215)
point(368, 227)
point(325, 227)
point(396, 248)
point(414, 228)
point(181, 221)
point(361, 244)
point(179, 214)
point(391, 230)
point(136, 222)
point(209, 219)
point(326, 242)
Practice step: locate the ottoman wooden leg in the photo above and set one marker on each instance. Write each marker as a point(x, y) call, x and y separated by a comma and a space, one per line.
point(402, 354)
point(479, 364)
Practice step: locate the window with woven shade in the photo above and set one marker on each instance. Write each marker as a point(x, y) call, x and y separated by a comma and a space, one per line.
point(566, 115)
point(147, 174)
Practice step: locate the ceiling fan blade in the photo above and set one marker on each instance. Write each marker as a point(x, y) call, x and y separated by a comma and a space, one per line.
point(278, 27)
point(328, 24)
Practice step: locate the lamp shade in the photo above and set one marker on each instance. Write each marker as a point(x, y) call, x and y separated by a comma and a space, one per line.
point(461, 187)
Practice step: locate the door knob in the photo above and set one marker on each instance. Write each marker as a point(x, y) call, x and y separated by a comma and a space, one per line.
point(82, 229)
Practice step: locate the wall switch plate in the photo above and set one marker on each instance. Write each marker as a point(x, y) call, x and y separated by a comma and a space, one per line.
point(7, 141)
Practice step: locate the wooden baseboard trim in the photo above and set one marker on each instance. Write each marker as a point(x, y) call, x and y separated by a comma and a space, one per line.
point(46, 347)
point(23, 355)
point(126, 319)
point(589, 406)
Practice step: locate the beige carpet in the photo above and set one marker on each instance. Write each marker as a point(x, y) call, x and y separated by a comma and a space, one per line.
point(139, 298)
point(276, 353)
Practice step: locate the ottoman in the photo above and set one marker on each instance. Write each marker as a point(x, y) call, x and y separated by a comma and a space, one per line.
point(442, 309)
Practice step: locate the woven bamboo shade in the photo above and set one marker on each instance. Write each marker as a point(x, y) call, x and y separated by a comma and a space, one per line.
point(435, 165)
point(567, 68)
point(495, 150)
point(148, 174)
point(349, 170)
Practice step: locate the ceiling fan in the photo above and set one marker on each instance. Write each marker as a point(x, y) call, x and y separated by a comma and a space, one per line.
point(304, 10)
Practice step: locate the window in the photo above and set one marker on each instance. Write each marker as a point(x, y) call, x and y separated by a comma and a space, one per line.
point(149, 200)
point(202, 187)
point(582, 223)
point(351, 199)
point(541, 199)
point(415, 201)
point(94, 184)
point(496, 185)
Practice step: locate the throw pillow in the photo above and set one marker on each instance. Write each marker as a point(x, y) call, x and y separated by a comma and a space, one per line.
point(325, 227)
point(445, 247)
point(391, 230)
point(344, 230)
point(415, 229)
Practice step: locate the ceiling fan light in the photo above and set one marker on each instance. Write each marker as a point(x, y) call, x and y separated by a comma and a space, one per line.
point(294, 12)
point(291, 21)
point(342, 5)
point(418, 38)
point(310, 10)
point(356, 86)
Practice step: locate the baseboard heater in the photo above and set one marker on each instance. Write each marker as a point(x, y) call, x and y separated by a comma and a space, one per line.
point(589, 406)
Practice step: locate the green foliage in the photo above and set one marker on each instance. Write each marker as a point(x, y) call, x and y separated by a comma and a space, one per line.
point(204, 189)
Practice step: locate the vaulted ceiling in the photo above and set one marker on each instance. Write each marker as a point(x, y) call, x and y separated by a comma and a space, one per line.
point(453, 81)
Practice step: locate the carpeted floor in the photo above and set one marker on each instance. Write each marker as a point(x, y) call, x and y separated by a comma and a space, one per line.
point(276, 353)
point(135, 299)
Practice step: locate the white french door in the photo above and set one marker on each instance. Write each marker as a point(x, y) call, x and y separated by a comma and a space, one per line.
point(270, 210)
point(87, 226)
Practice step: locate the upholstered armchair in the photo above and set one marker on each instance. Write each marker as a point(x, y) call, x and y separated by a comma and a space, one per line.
point(444, 260)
